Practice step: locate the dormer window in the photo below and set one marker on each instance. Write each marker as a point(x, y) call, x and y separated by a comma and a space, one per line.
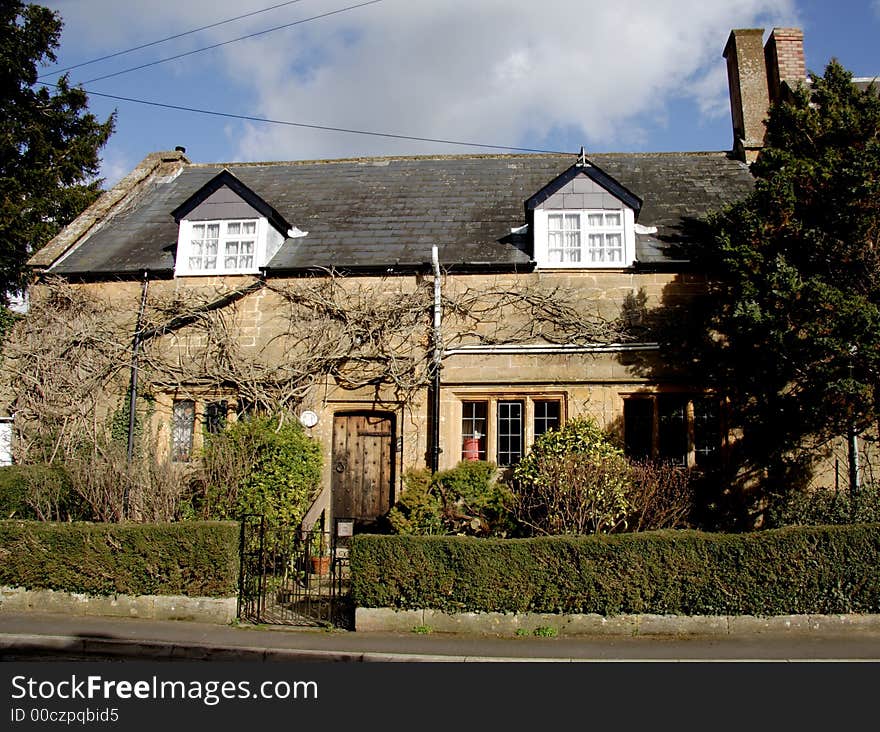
point(583, 219)
point(227, 229)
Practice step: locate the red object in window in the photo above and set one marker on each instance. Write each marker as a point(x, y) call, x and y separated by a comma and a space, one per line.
point(471, 448)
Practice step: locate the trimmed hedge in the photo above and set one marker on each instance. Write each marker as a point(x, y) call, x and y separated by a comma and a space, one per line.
point(197, 558)
point(794, 570)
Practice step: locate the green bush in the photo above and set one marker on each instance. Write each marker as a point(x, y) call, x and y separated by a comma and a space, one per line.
point(39, 492)
point(825, 506)
point(465, 500)
point(195, 558)
point(262, 465)
point(795, 570)
point(573, 481)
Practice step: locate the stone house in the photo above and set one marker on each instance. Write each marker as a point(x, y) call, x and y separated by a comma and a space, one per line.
point(417, 311)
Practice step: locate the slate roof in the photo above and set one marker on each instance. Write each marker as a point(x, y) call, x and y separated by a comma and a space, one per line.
point(375, 214)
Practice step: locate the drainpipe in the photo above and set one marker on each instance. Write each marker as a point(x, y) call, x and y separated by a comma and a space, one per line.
point(132, 389)
point(438, 357)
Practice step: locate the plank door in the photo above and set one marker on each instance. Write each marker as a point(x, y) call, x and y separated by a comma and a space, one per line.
point(363, 466)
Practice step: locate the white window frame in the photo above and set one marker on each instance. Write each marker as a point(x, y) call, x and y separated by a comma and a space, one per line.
point(582, 255)
point(186, 236)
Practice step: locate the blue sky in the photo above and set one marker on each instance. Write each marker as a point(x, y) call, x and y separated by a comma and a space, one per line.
point(629, 75)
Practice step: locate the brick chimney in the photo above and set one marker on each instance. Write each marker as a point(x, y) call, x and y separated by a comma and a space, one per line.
point(749, 97)
point(784, 56)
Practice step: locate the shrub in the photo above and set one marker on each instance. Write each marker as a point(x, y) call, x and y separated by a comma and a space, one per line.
point(101, 475)
point(40, 492)
point(660, 495)
point(418, 511)
point(465, 500)
point(824, 506)
point(262, 465)
point(573, 481)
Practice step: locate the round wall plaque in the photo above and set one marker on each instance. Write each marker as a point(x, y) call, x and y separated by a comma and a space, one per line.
point(308, 418)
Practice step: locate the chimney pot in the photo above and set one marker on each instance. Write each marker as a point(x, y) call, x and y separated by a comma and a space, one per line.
point(180, 148)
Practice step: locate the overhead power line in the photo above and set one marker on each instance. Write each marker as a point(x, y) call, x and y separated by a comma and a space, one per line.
point(233, 40)
point(168, 38)
point(325, 128)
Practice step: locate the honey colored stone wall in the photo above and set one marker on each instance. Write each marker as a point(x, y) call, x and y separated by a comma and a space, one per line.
point(227, 338)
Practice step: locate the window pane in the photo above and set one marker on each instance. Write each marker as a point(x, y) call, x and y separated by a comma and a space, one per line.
point(233, 228)
point(547, 415)
point(247, 247)
point(232, 247)
point(707, 432)
point(473, 430)
point(510, 432)
point(673, 437)
point(554, 222)
point(198, 231)
point(213, 231)
point(215, 416)
point(249, 227)
point(183, 418)
point(612, 219)
point(595, 220)
point(572, 222)
point(597, 251)
point(638, 425)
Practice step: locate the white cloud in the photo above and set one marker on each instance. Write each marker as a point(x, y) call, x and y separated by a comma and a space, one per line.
point(495, 71)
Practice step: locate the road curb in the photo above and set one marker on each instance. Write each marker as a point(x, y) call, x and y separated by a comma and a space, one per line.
point(387, 620)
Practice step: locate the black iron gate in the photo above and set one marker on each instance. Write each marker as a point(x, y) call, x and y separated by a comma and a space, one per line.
point(293, 576)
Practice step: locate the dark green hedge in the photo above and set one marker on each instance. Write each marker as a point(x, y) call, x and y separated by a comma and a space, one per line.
point(197, 558)
point(795, 570)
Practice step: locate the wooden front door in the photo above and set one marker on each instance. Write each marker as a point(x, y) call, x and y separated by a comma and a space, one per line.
point(363, 465)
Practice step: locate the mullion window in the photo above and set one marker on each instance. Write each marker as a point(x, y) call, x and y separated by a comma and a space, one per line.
point(673, 436)
point(688, 429)
point(707, 432)
point(473, 430)
point(638, 424)
point(215, 416)
point(510, 432)
point(183, 419)
point(547, 416)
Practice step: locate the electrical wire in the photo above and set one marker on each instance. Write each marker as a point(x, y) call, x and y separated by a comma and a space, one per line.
point(233, 40)
point(167, 38)
point(325, 128)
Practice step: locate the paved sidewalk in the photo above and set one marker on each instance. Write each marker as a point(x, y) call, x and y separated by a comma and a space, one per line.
point(61, 637)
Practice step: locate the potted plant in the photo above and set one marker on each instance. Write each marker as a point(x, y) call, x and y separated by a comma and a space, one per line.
point(319, 554)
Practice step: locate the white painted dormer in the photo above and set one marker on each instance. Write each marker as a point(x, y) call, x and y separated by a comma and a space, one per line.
point(226, 229)
point(584, 219)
